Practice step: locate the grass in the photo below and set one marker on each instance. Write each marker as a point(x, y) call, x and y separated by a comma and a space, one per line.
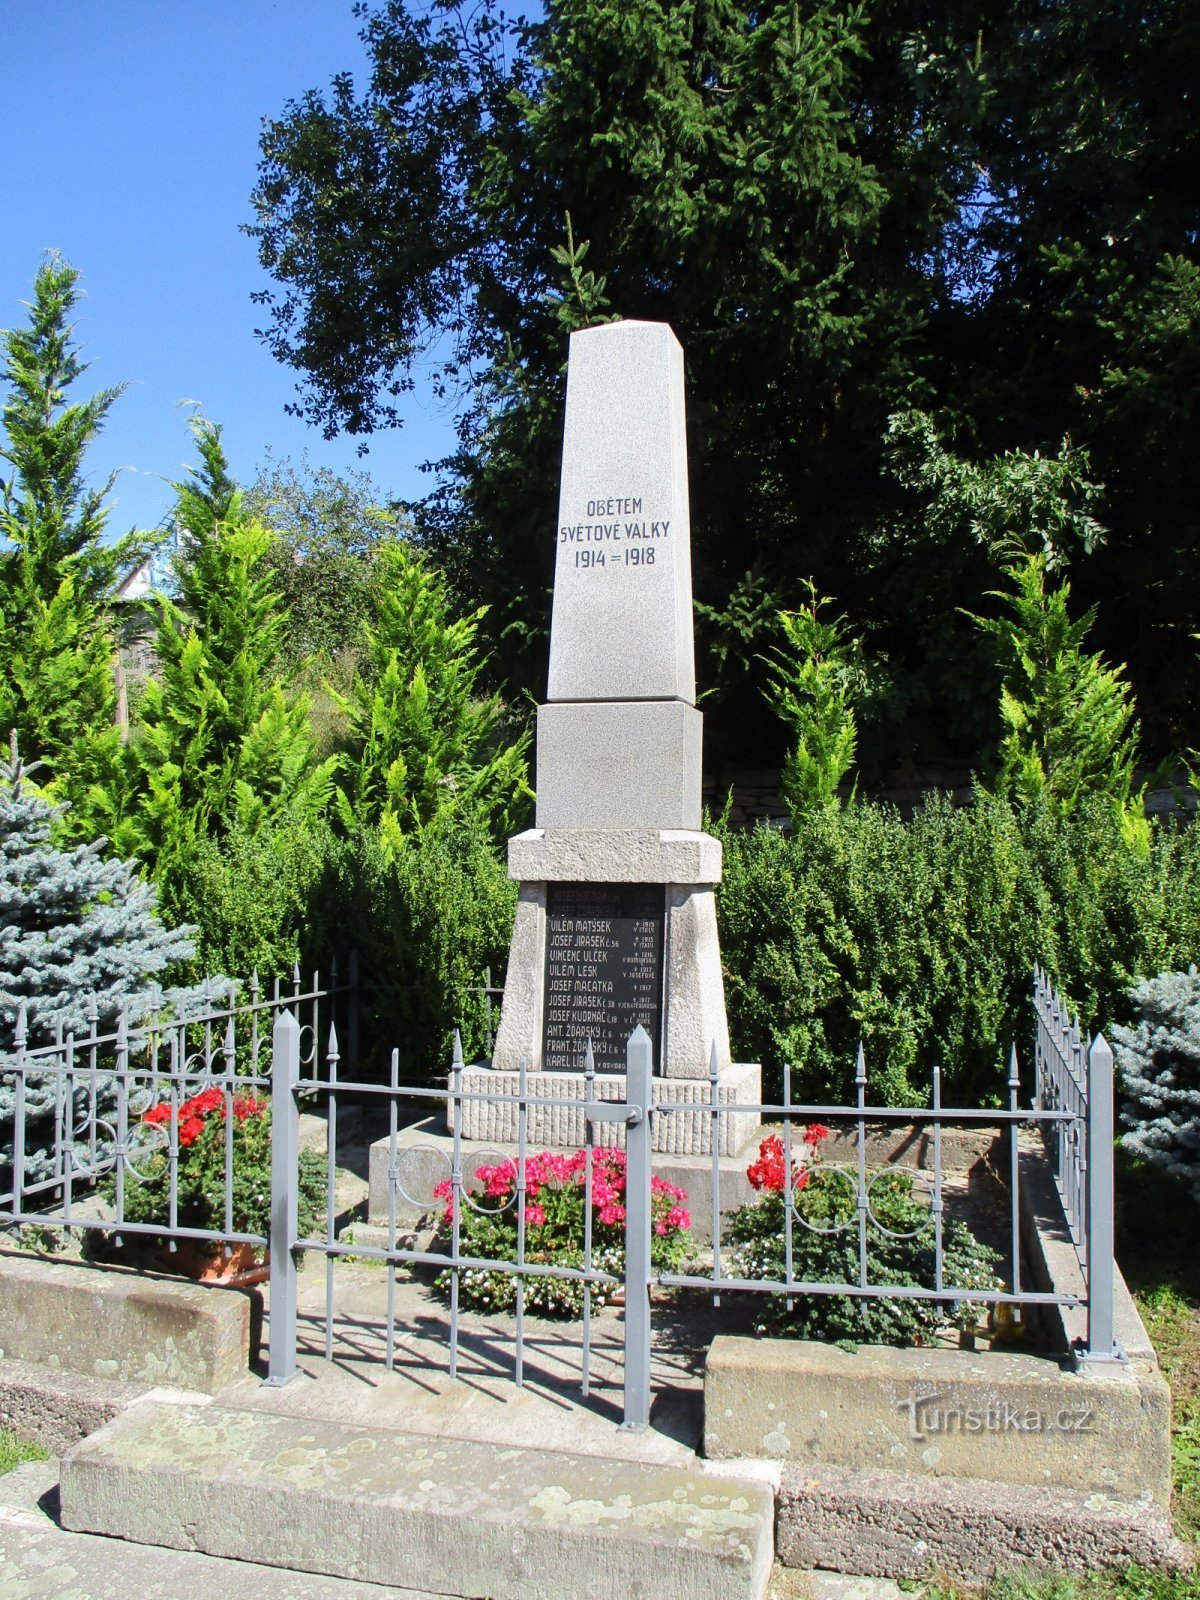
point(1158, 1247)
point(1135, 1583)
point(14, 1450)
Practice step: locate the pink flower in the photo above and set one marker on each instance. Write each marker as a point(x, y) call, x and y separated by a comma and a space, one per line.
point(534, 1216)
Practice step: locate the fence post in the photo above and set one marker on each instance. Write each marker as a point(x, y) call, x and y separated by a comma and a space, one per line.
point(1101, 1341)
point(285, 1155)
point(639, 1067)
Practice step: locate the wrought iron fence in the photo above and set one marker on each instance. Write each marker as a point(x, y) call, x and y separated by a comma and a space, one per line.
point(82, 1107)
point(1074, 1098)
point(1082, 1124)
point(98, 1090)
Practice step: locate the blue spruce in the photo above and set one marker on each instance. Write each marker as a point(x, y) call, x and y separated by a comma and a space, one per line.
point(1159, 1061)
point(80, 945)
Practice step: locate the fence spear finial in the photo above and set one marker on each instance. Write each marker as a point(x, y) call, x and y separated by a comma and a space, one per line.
point(860, 1065)
point(456, 1058)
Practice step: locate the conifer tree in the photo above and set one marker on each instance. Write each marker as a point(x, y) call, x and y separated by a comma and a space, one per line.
point(56, 641)
point(220, 739)
point(1069, 719)
point(812, 682)
point(80, 942)
point(431, 745)
point(1159, 1060)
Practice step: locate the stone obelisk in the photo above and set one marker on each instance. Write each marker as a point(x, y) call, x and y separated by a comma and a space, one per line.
point(616, 922)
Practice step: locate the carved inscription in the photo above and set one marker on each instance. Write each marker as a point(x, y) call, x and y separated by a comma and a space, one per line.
point(604, 971)
point(615, 536)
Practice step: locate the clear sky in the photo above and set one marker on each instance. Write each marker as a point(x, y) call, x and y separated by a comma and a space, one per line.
point(130, 145)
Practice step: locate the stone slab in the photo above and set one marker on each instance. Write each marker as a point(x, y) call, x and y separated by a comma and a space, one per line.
point(110, 1323)
point(695, 990)
point(39, 1560)
point(619, 764)
point(394, 1508)
point(621, 627)
point(1006, 1417)
point(686, 1130)
point(56, 1408)
point(602, 855)
point(423, 1159)
point(891, 1525)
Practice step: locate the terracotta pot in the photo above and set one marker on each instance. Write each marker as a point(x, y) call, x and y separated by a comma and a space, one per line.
point(209, 1264)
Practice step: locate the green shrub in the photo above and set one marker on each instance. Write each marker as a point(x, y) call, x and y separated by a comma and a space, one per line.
point(262, 898)
point(825, 1249)
point(429, 918)
point(918, 936)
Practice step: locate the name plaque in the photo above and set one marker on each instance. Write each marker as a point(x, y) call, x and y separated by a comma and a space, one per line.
point(604, 971)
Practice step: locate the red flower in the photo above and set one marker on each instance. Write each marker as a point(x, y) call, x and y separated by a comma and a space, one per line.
point(769, 1172)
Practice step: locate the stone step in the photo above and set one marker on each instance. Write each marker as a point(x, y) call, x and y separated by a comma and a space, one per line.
point(40, 1560)
point(392, 1508)
point(893, 1525)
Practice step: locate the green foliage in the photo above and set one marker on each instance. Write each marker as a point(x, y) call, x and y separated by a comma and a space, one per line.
point(220, 742)
point(14, 1449)
point(80, 943)
point(1068, 719)
point(429, 746)
point(812, 684)
point(56, 642)
point(825, 1249)
point(848, 214)
point(919, 936)
point(1159, 1061)
point(428, 920)
point(1041, 504)
point(260, 897)
point(324, 560)
point(202, 1133)
point(75, 927)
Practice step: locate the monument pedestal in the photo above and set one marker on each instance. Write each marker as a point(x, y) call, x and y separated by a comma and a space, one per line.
point(680, 865)
point(685, 1131)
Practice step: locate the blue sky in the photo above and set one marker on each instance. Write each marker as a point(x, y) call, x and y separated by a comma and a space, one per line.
point(131, 146)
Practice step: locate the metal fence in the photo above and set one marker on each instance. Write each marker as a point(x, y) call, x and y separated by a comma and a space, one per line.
point(80, 1105)
point(1074, 1099)
point(99, 1090)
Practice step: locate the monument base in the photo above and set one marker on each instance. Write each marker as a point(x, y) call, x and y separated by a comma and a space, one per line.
point(687, 865)
point(686, 1130)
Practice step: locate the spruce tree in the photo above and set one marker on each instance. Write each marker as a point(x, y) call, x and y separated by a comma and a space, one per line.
point(1159, 1061)
point(80, 943)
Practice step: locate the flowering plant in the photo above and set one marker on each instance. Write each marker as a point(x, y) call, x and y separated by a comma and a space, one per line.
point(201, 1131)
point(825, 1248)
point(556, 1192)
